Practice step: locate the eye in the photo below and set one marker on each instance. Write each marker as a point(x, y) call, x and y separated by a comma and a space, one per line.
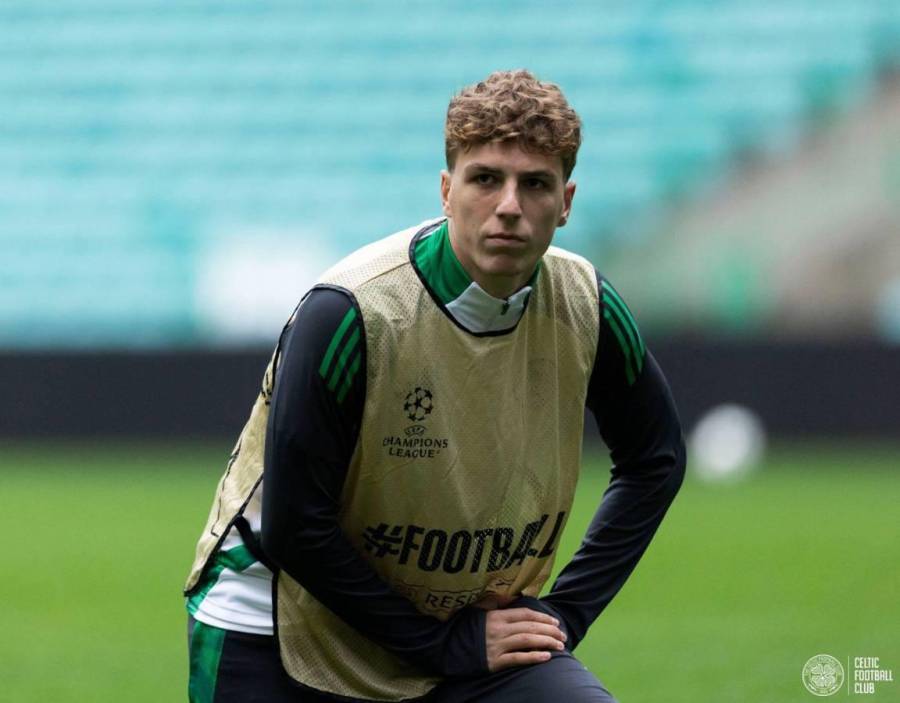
point(535, 184)
point(485, 179)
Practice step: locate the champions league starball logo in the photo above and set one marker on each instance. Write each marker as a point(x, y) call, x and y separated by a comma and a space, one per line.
point(419, 404)
point(823, 675)
point(411, 442)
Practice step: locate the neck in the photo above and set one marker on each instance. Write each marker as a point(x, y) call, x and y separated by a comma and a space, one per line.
point(497, 286)
point(500, 287)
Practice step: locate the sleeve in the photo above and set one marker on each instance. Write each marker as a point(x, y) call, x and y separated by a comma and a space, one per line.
point(314, 423)
point(636, 415)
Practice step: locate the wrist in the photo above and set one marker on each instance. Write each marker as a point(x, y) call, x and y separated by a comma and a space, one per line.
point(465, 648)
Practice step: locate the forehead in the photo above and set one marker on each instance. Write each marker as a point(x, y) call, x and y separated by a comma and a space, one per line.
point(509, 157)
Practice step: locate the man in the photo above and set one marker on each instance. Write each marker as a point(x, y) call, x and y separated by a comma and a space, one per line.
point(394, 503)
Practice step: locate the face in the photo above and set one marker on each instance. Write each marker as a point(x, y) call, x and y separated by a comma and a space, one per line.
point(504, 205)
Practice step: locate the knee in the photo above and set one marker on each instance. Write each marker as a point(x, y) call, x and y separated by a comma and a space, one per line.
point(568, 679)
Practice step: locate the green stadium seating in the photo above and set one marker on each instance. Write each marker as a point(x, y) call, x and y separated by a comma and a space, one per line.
point(133, 133)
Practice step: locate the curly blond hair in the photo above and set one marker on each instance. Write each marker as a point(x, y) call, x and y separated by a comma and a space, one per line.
point(513, 106)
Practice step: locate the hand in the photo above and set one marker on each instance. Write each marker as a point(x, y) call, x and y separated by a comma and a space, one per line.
point(518, 636)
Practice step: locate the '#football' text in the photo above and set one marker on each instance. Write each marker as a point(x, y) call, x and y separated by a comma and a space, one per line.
point(488, 549)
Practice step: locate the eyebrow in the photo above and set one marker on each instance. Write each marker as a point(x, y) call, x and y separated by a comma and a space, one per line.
point(475, 166)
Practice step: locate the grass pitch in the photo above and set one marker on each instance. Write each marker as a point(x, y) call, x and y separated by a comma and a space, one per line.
point(743, 583)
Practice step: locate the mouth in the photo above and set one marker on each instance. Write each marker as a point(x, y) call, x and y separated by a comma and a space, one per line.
point(506, 238)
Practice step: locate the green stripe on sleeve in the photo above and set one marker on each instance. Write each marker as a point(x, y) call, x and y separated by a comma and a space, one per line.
point(206, 651)
point(626, 349)
point(607, 288)
point(342, 359)
point(348, 379)
point(633, 335)
point(336, 340)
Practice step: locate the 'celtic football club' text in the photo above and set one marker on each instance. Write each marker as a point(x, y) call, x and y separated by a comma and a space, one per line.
point(488, 549)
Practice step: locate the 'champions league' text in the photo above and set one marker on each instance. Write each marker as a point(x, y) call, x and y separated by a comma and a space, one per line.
point(414, 447)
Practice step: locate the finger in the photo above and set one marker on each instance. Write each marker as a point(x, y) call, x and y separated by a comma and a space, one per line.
point(531, 628)
point(510, 659)
point(519, 614)
point(525, 641)
point(498, 627)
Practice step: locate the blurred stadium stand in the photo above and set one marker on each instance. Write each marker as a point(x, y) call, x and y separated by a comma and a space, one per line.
point(801, 244)
point(174, 176)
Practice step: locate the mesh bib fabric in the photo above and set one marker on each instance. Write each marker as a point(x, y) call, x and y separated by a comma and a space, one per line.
point(466, 463)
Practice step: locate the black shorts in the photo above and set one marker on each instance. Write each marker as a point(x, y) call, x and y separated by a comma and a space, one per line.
point(234, 667)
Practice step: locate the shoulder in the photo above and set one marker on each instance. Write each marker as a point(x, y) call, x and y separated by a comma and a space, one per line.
point(375, 260)
point(567, 293)
point(620, 334)
point(324, 339)
point(570, 276)
point(563, 258)
point(326, 316)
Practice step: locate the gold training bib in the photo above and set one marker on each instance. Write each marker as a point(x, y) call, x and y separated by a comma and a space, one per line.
point(466, 463)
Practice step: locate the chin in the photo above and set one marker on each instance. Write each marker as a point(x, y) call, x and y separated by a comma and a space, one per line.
point(508, 271)
point(505, 266)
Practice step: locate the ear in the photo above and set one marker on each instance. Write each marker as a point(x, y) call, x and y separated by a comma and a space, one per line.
point(568, 194)
point(445, 192)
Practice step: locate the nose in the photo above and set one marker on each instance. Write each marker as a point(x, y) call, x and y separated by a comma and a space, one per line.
point(508, 205)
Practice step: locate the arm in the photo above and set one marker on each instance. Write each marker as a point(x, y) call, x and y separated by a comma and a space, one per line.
point(313, 427)
point(633, 406)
